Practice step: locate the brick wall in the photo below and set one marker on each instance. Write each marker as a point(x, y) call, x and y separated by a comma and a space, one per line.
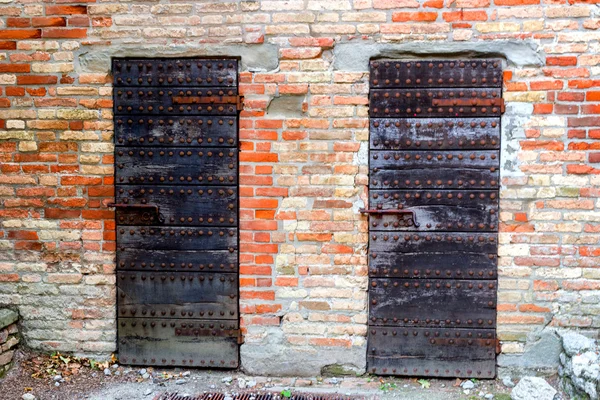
point(303, 166)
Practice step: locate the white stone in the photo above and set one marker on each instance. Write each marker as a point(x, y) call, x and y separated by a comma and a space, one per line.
point(533, 388)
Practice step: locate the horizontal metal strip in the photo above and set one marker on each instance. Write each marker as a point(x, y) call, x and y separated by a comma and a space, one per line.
point(435, 103)
point(178, 238)
point(435, 133)
point(435, 263)
point(170, 131)
point(409, 160)
point(177, 260)
point(432, 302)
point(172, 72)
point(436, 73)
point(431, 178)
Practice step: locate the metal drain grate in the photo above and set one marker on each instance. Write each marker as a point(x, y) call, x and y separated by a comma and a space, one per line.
point(255, 396)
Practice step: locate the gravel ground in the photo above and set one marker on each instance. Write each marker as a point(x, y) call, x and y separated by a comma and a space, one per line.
point(127, 383)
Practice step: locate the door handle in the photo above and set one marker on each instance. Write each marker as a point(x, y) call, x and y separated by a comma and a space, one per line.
point(391, 212)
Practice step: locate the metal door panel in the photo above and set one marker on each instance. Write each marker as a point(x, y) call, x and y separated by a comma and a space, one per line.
point(176, 200)
point(429, 302)
point(183, 166)
point(433, 206)
point(176, 342)
point(437, 210)
point(175, 72)
point(177, 294)
point(436, 73)
point(440, 256)
point(435, 134)
point(175, 101)
point(437, 351)
point(179, 206)
point(218, 131)
point(473, 102)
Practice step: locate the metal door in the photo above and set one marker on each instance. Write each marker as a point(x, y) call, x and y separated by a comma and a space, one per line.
point(176, 174)
point(433, 217)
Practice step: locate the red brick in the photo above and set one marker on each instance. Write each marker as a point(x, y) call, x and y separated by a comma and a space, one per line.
point(65, 10)
point(64, 33)
point(562, 61)
point(20, 34)
point(15, 22)
point(465, 15)
point(4, 45)
point(17, 68)
point(60, 213)
point(48, 21)
point(515, 2)
point(414, 16)
point(36, 80)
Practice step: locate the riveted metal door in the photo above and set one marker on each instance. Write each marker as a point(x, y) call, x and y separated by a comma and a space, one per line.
point(433, 217)
point(176, 173)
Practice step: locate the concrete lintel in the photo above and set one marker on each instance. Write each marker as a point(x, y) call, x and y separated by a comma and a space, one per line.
point(261, 57)
point(355, 55)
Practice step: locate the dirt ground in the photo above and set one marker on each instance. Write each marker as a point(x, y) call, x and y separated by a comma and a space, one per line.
point(76, 380)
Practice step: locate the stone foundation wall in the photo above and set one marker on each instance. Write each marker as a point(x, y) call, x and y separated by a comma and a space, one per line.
point(9, 338)
point(303, 161)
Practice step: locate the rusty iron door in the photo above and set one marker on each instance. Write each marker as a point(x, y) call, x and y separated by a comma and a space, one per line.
point(433, 217)
point(176, 201)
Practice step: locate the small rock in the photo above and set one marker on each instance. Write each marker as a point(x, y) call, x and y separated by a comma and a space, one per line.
point(481, 394)
point(333, 381)
point(146, 376)
point(180, 381)
point(107, 371)
point(489, 396)
point(575, 343)
point(28, 396)
point(241, 383)
point(212, 386)
point(94, 374)
point(467, 385)
point(467, 392)
point(57, 384)
point(117, 373)
point(142, 371)
point(186, 373)
point(533, 388)
point(227, 379)
point(506, 381)
point(228, 398)
point(115, 366)
point(57, 378)
point(251, 384)
point(147, 392)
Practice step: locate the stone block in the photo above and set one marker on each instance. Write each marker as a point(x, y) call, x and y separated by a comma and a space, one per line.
point(7, 317)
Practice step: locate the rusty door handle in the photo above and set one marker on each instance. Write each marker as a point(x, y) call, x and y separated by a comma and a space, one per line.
point(390, 212)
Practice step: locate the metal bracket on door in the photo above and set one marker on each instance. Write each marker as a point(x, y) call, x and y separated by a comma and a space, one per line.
point(377, 211)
